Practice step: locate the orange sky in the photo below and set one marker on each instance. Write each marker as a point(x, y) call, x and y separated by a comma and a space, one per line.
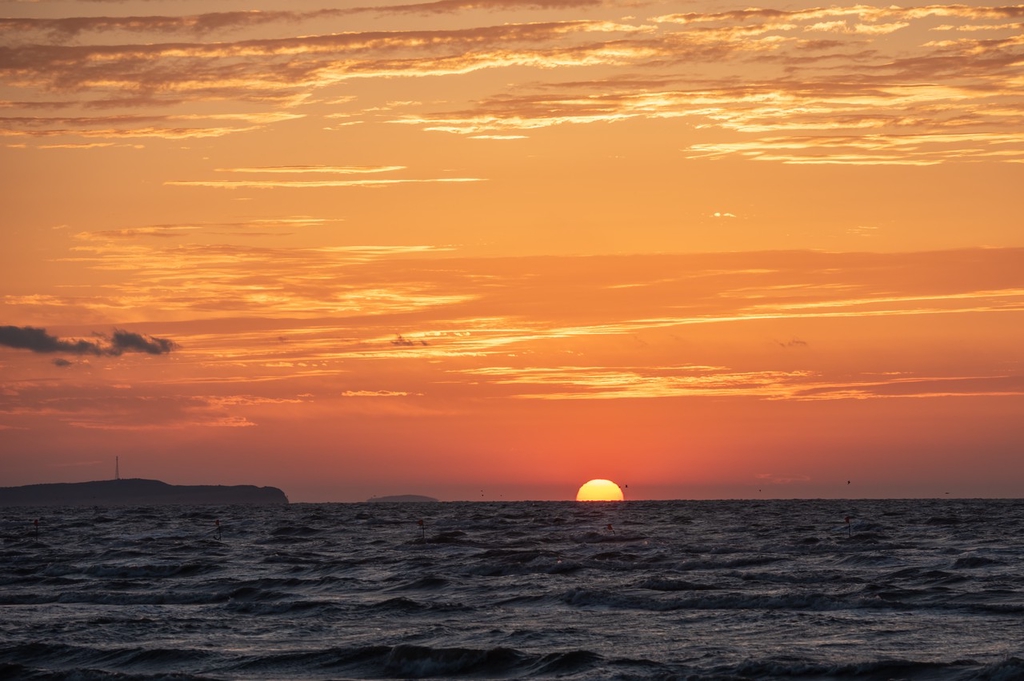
point(490, 249)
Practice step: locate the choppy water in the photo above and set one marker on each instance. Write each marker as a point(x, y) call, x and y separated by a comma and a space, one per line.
point(731, 590)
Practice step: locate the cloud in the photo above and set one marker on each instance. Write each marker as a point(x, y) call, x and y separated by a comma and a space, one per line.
point(203, 280)
point(65, 28)
point(286, 69)
point(782, 479)
point(879, 120)
point(342, 171)
point(259, 226)
point(128, 341)
point(402, 341)
point(61, 362)
point(602, 383)
point(345, 309)
point(607, 383)
point(514, 329)
point(451, 6)
point(810, 86)
point(144, 407)
point(871, 149)
point(489, 307)
point(851, 99)
point(302, 170)
point(125, 126)
point(313, 184)
point(200, 24)
point(915, 387)
point(859, 12)
point(37, 340)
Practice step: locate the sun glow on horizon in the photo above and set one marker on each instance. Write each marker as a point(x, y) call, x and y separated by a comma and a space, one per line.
point(599, 490)
point(482, 248)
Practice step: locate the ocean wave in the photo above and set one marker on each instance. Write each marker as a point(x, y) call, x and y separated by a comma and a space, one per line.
point(32, 655)
point(667, 584)
point(504, 562)
point(517, 590)
point(973, 561)
point(411, 661)
point(703, 599)
point(151, 570)
point(1010, 669)
point(420, 661)
point(784, 668)
point(425, 583)
point(145, 597)
point(27, 673)
point(408, 605)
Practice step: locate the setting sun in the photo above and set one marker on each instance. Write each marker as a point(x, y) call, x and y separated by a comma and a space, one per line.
point(478, 249)
point(599, 490)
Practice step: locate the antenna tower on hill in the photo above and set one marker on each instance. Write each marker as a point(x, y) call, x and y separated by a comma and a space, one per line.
point(117, 468)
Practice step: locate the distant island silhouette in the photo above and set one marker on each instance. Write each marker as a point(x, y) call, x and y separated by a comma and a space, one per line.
point(402, 498)
point(137, 492)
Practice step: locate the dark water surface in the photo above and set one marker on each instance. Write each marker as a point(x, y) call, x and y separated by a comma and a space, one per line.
point(921, 589)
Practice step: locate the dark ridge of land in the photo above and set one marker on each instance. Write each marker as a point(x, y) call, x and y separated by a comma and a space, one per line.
point(402, 498)
point(137, 492)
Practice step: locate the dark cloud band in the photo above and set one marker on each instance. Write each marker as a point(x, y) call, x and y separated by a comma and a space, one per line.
point(37, 340)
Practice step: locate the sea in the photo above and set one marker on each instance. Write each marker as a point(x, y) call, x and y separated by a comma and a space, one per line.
point(805, 589)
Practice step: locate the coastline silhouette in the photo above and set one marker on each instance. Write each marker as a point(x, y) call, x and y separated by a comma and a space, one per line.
point(137, 492)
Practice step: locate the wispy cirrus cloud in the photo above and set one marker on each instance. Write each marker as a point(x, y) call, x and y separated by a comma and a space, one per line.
point(498, 302)
point(423, 325)
point(314, 184)
point(258, 226)
point(852, 84)
point(322, 180)
point(451, 6)
point(125, 126)
point(795, 96)
point(316, 170)
point(866, 13)
point(607, 383)
point(199, 24)
point(863, 123)
point(196, 280)
point(65, 28)
point(286, 64)
point(877, 149)
point(143, 409)
point(580, 382)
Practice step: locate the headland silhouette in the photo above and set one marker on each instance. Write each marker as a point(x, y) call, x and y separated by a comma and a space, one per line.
point(137, 492)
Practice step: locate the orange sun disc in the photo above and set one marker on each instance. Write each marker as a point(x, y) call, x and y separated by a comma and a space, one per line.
point(599, 490)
